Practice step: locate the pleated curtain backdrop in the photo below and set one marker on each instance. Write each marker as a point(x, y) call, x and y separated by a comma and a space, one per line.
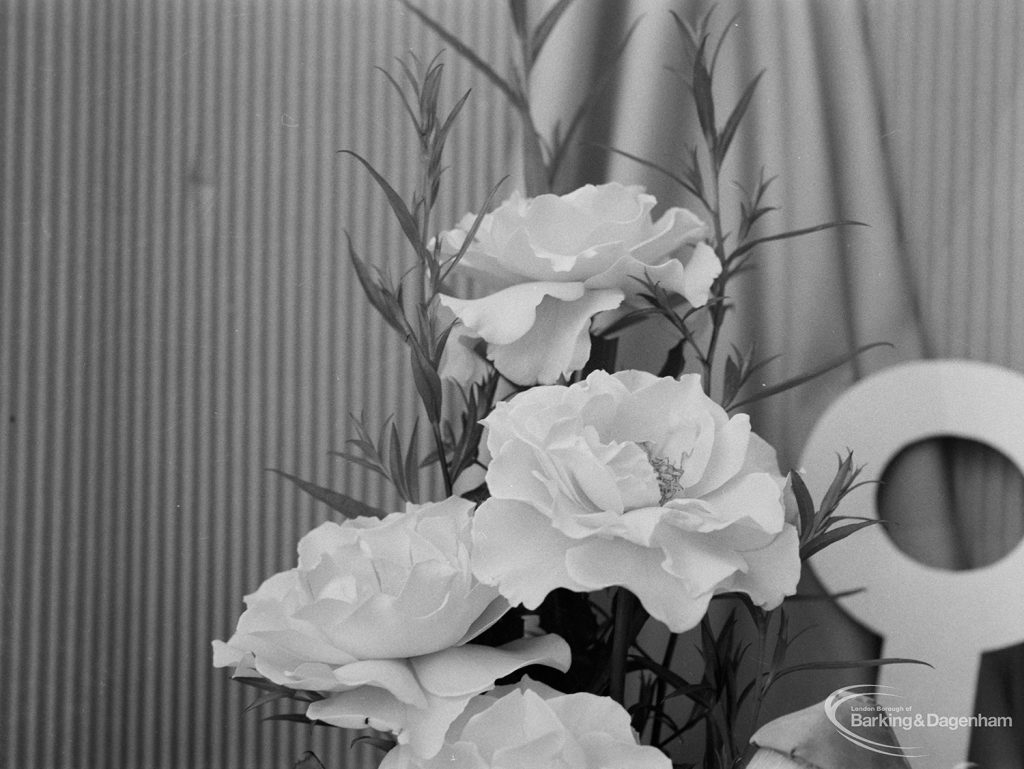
point(906, 115)
point(177, 313)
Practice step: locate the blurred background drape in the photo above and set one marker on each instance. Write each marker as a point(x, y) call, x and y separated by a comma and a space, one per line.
point(176, 312)
point(907, 116)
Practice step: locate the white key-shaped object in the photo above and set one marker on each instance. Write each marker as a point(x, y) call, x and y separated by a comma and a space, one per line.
point(946, 618)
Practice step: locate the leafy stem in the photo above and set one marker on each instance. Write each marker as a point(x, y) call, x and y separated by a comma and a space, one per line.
point(625, 605)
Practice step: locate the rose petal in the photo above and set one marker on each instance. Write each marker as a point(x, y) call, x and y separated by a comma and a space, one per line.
point(756, 497)
point(536, 733)
point(534, 566)
point(600, 563)
point(603, 751)
point(726, 457)
point(396, 676)
point(772, 572)
point(585, 714)
point(462, 755)
point(558, 342)
point(422, 618)
point(505, 316)
point(446, 680)
point(359, 708)
point(471, 669)
point(494, 612)
point(460, 361)
point(677, 226)
point(421, 728)
point(701, 271)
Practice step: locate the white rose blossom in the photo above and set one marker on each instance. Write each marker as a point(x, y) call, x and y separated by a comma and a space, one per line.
point(544, 267)
point(638, 481)
point(377, 617)
point(533, 725)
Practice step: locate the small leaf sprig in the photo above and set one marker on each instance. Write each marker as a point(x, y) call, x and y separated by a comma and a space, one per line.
point(417, 320)
point(725, 695)
point(543, 156)
point(702, 177)
point(413, 314)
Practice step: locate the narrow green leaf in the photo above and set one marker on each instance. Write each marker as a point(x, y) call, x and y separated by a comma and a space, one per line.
point(669, 676)
point(471, 234)
point(396, 465)
point(702, 694)
point(630, 319)
point(427, 381)
point(442, 133)
point(410, 75)
point(760, 365)
point(804, 502)
point(686, 185)
point(517, 9)
point(721, 40)
point(342, 503)
point(259, 683)
point(401, 92)
point(702, 96)
point(847, 665)
point(379, 297)
point(826, 596)
point(429, 98)
point(441, 341)
point(733, 122)
point(265, 699)
point(369, 464)
point(782, 643)
point(309, 760)
point(469, 54)
point(845, 475)
point(796, 381)
point(731, 380)
point(832, 536)
point(543, 29)
point(751, 244)
point(686, 32)
point(405, 217)
point(412, 462)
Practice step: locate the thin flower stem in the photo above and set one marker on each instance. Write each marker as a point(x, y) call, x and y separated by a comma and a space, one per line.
point(718, 288)
point(763, 664)
point(659, 692)
point(446, 472)
point(625, 603)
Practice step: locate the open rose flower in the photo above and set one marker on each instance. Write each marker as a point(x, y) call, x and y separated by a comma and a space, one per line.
point(532, 725)
point(633, 480)
point(376, 617)
point(543, 267)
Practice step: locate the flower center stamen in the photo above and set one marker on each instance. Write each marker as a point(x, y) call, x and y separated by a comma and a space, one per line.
point(668, 474)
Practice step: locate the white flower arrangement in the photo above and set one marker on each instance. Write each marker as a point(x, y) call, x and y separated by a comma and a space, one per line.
point(607, 500)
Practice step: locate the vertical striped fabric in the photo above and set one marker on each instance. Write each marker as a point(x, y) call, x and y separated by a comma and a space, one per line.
point(177, 314)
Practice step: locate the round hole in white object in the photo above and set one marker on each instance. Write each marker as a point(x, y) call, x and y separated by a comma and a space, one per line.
point(952, 503)
point(879, 417)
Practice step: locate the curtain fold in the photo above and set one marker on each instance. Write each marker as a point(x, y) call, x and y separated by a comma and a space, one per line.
point(903, 115)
